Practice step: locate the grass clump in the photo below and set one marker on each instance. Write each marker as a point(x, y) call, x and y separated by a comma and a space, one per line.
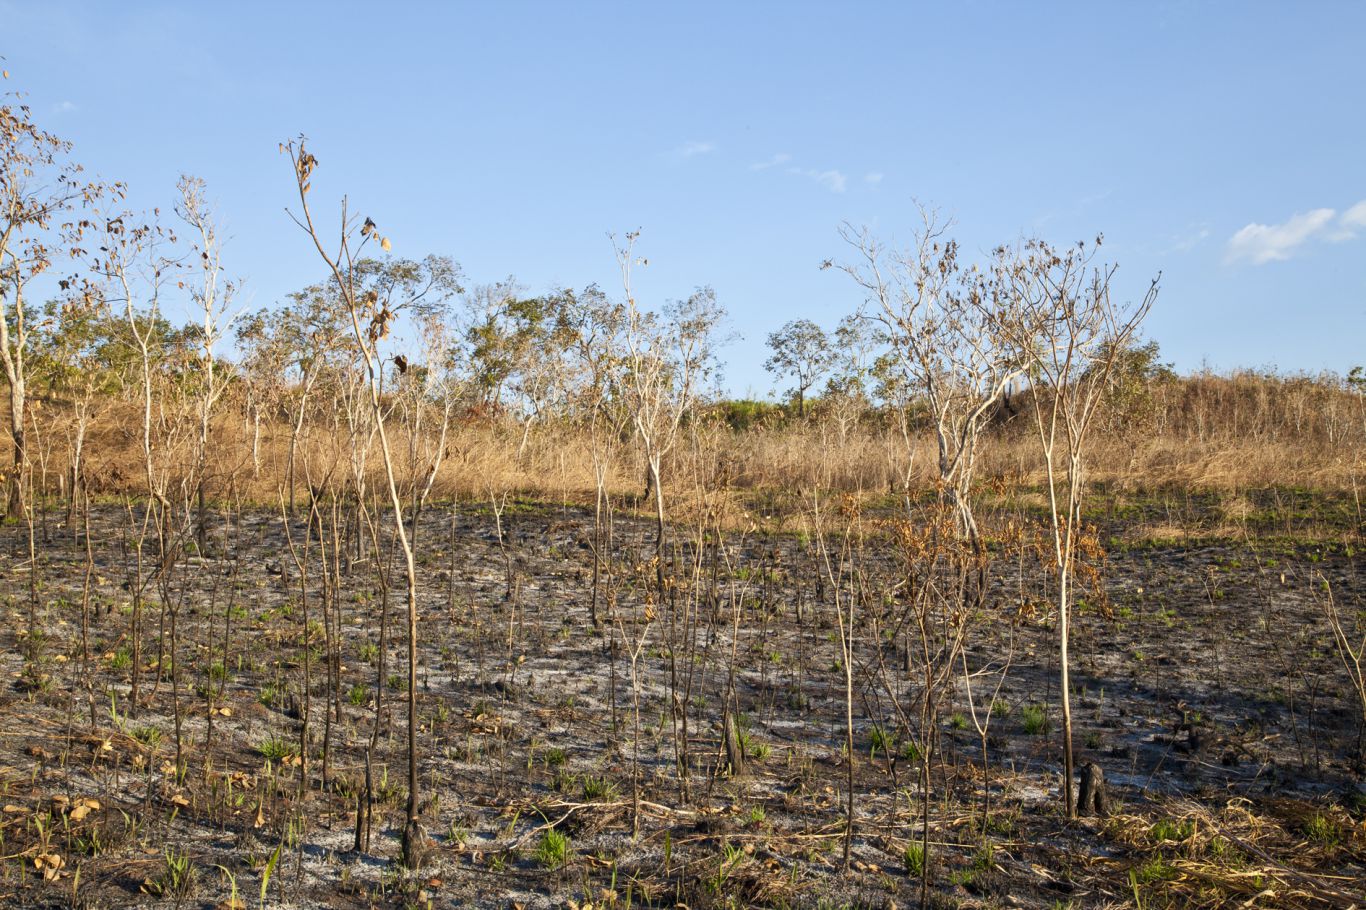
point(1156, 869)
point(879, 740)
point(1035, 719)
point(176, 879)
point(598, 787)
point(274, 748)
point(149, 736)
point(913, 857)
point(1166, 830)
point(552, 851)
point(1322, 830)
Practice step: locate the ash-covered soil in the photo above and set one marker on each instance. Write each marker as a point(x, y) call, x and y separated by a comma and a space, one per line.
point(1206, 684)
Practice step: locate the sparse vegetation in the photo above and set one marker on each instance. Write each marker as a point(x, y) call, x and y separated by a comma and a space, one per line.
point(407, 555)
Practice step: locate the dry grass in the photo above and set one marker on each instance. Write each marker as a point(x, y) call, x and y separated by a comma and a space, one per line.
point(1221, 434)
point(1193, 855)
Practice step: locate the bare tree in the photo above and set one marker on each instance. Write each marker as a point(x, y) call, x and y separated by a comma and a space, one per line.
point(949, 334)
point(214, 298)
point(432, 387)
point(666, 359)
point(135, 271)
point(1069, 331)
point(39, 185)
point(845, 398)
point(594, 324)
point(372, 310)
point(289, 352)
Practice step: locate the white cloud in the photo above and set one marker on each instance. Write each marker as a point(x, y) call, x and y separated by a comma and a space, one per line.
point(1263, 243)
point(832, 180)
point(65, 107)
point(780, 158)
point(1355, 217)
point(693, 149)
point(873, 177)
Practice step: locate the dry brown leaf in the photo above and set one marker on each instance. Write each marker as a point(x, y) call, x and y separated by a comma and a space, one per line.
point(48, 864)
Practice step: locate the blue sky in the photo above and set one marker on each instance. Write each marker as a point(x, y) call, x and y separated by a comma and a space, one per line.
point(1222, 143)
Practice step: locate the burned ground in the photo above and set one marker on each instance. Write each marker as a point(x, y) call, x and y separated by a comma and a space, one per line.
point(1206, 686)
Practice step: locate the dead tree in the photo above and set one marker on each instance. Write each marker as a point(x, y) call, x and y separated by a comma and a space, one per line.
point(214, 297)
point(372, 311)
point(948, 331)
point(1069, 331)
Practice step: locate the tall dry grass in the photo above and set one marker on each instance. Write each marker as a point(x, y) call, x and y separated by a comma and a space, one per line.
point(1227, 432)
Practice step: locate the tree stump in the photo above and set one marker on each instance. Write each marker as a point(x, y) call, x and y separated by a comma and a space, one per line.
point(735, 748)
point(1091, 798)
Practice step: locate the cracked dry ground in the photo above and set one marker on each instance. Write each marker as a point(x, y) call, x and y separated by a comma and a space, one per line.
point(1209, 691)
